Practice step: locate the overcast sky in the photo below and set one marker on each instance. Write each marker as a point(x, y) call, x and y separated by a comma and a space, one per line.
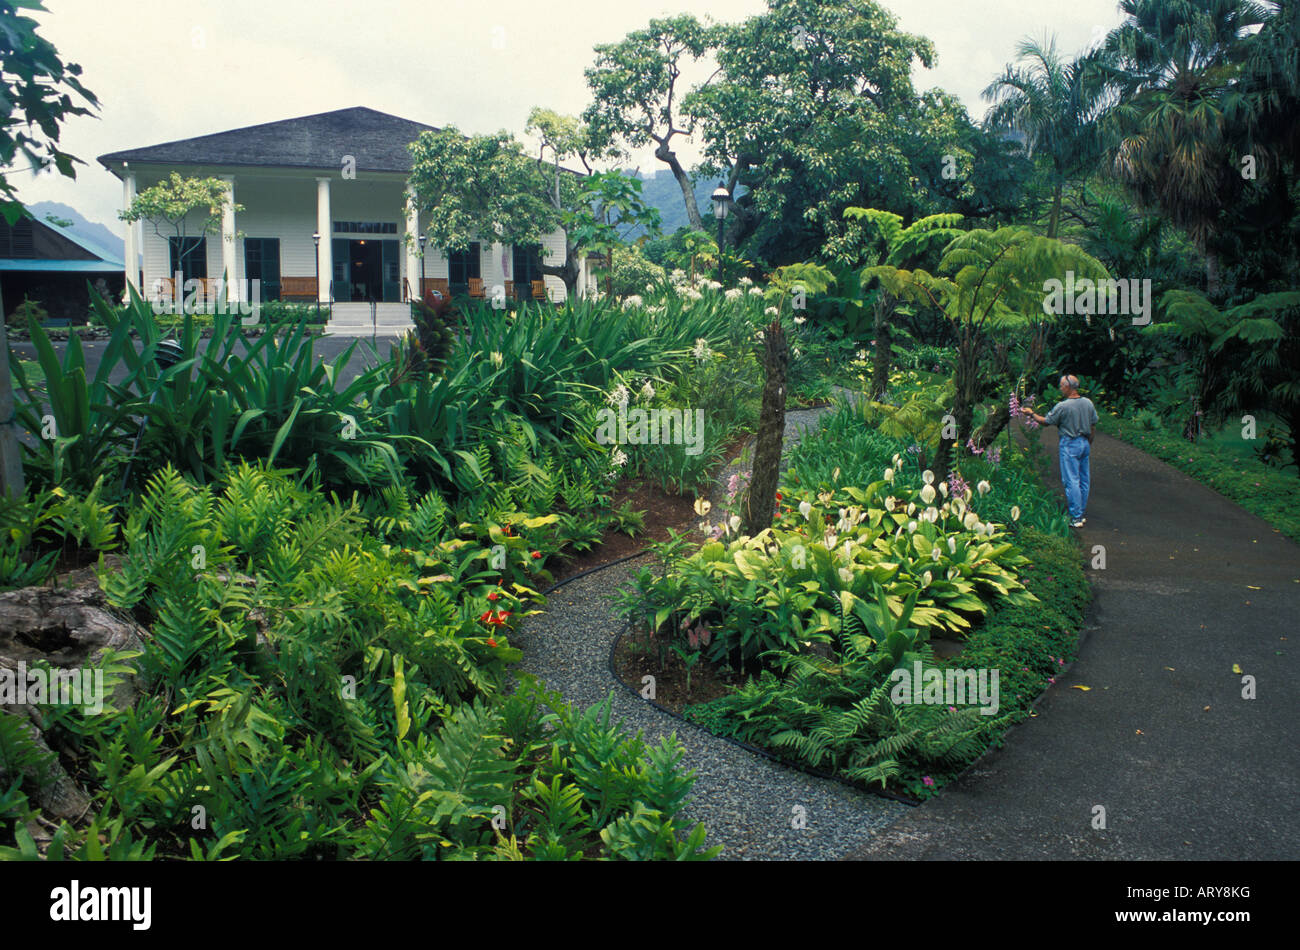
point(170, 69)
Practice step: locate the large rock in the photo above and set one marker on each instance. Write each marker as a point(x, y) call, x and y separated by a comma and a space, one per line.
point(69, 627)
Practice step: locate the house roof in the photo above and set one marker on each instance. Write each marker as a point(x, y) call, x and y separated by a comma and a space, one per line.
point(103, 253)
point(51, 254)
point(45, 264)
point(378, 141)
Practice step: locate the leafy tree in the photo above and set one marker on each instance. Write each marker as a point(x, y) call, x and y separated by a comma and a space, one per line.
point(485, 184)
point(636, 97)
point(1242, 359)
point(1055, 104)
point(809, 113)
point(174, 203)
point(38, 92)
point(900, 248)
point(997, 283)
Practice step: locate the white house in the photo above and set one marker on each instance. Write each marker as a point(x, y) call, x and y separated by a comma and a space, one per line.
point(341, 175)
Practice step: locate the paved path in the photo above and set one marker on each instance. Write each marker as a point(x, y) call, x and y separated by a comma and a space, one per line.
point(1193, 585)
point(748, 804)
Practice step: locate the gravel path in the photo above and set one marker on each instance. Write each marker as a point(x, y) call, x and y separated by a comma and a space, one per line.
point(753, 807)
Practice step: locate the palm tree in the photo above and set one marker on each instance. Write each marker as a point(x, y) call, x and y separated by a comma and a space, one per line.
point(1175, 66)
point(1055, 104)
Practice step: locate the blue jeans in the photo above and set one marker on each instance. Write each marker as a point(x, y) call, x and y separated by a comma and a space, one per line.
point(1075, 451)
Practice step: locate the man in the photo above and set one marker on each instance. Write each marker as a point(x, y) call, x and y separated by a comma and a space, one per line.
point(1076, 417)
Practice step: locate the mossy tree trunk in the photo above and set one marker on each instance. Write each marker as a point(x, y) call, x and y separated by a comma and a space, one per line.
point(760, 499)
point(883, 345)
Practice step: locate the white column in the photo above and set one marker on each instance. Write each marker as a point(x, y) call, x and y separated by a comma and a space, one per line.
point(131, 248)
point(325, 228)
point(412, 246)
point(229, 273)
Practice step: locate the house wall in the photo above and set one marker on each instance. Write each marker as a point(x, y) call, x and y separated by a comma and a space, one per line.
point(285, 208)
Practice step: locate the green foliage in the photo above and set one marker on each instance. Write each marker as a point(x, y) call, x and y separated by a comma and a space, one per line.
point(39, 93)
point(839, 715)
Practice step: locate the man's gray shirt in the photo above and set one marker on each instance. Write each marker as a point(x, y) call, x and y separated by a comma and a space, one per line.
point(1074, 417)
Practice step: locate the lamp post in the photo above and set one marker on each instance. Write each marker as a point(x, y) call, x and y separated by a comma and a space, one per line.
point(721, 203)
point(420, 292)
point(315, 239)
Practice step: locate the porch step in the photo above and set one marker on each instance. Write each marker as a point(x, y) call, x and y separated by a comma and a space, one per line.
point(353, 319)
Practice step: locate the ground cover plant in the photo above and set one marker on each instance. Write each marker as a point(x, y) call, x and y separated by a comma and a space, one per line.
point(328, 576)
point(869, 559)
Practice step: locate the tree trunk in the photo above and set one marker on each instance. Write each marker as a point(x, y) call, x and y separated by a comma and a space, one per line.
point(883, 344)
point(1213, 282)
point(669, 158)
point(760, 499)
point(11, 463)
point(1054, 223)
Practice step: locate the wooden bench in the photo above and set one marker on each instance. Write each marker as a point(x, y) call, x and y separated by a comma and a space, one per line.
point(166, 287)
point(476, 288)
point(437, 285)
point(293, 288)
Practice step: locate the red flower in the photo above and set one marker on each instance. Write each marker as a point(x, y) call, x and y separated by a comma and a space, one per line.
point(537, 555)
point(495, 595)
point(491, 642)
point(778, 496)
point(487, 617)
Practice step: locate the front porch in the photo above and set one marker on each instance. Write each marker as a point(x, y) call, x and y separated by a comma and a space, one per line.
point(314, 237)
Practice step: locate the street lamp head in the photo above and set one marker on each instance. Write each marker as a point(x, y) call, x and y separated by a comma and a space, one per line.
point(315, 237)
point(423, 239)
point(721, 201)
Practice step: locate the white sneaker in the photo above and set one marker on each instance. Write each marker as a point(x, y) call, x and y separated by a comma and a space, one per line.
point(1077, 524)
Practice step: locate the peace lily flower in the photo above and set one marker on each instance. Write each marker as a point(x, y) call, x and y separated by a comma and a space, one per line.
point(702, 506)
point(1015, 512)
point(927, 493)
point(889, 474)
point(911, 527)
point(952, 545)
point(928, 477)
point(497, 359)
point(926, 578)
point(846, 575)
point(889, 502)
point(984, 487)
point(734, 522)
point(952, 573)
point(931, 514)
point(805, 509)
point(800, 321)
point(911, 509)
point(943, 489)
point(970, 520)
point(619, 396)
point(990, 529)
point(934, 554)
